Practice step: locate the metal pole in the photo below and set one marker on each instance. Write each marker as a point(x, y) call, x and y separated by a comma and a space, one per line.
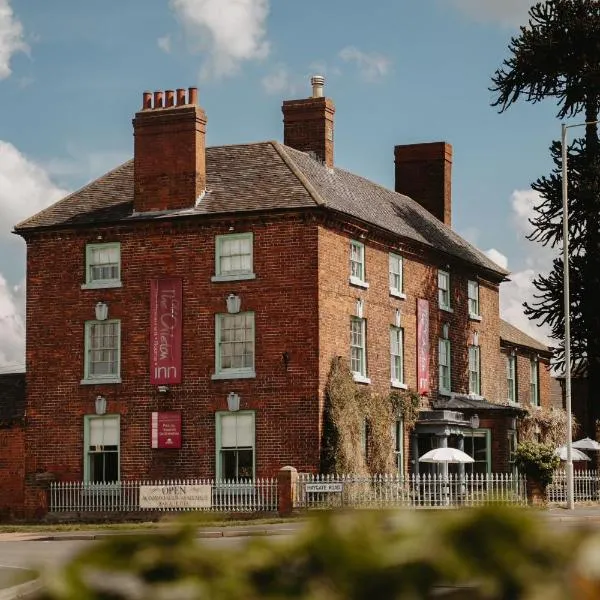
point(563, 141)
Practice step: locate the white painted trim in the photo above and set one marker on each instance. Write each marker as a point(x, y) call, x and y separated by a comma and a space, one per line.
point(234, 375)
point(397, 294)
point(360, 378)
point(240, 277)
point(473, 317)
point(398, 384)
point(358, 282)
point(101, 285)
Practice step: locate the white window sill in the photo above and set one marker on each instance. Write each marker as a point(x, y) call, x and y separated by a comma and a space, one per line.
point(100, 381)
point(100, 285)
point(397, 294)
point(475, 396)
point(360, 378)
point(473, 317)
point(446, 309)
point(398, 384)
point(234, 375)
point(359, 283)
point(512, 403)
point(445, 393)
point(235, 277)
point(535, 406)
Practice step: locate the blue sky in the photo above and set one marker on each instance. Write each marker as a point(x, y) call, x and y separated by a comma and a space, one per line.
point(72, 75)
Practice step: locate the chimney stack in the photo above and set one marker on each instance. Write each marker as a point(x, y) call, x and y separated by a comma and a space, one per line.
point(169, 151)
point(424, 172)
point(308, 123)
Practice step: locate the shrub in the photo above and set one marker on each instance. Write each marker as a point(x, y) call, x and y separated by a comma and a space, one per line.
point(537, 461)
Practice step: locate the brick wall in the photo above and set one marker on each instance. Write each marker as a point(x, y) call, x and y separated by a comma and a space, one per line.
point(12, 451)
point(523, 376)
point(283, 296)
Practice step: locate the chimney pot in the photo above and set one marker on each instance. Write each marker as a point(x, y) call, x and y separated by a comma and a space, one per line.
point(170, 96)
point(193, 96)
point(158, 99)
point(147, 100)
point(180, 96)
point(317, 82)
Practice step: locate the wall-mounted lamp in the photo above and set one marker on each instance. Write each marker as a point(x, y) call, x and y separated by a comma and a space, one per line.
point(100, 405)
point(475, 339)
point(163, 389)
point(234, 303)
point(359, 307)
point(474, 421)
point(233, 402)
point(398, 319)
point(101, 311)
point(445, 331)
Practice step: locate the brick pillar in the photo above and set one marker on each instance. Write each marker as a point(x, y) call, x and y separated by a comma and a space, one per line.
point(287, 481)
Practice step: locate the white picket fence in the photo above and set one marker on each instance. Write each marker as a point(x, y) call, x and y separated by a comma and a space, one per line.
point(380, 491)
point(168, 495)
point(586, 486)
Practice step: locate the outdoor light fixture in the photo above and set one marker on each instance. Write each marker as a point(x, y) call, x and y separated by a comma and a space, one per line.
point(234, 303)
point(474, 420)
point(100, 405)
point(567, 308)
point(359, 307)
point(398, 318)
point(101, 311)
point(475, 339)
point(163, 389)
point(233, 402)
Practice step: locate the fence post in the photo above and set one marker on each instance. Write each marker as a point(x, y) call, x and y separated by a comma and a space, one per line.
point(287, 481)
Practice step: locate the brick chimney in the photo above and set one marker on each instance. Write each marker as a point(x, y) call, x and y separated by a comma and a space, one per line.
point(169, 151)
point(424, 172)
point(308, 123)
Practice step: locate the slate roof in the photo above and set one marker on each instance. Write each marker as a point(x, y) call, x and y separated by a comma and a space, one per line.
point(266, 176)
point(465, 402)
point(511, 334)
point(12, 397)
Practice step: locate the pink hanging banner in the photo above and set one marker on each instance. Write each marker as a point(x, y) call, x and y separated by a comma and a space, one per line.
point(166, 429)
point(423, 346)
point(165, 331)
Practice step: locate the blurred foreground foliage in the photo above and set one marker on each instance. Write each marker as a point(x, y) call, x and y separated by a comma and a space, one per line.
point(493, 552)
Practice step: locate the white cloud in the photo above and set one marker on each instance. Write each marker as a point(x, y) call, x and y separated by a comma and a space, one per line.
point(11, 38)
point(164, 43)
point(25, 188)
point(230, 31)
point(372, 67)
point(12, 326)
point(497, 257)
point(505, 12)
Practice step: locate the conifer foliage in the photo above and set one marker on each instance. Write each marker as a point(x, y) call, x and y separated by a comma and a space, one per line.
point(556, 56)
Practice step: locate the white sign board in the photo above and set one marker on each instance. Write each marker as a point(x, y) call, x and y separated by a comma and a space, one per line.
point(324, 487)
point(175, 496)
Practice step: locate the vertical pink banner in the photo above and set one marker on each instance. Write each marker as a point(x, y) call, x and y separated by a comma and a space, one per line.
point(165, 331)
point(423, 346)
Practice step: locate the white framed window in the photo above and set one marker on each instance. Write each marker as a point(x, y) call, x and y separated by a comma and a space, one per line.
point(396, 276)
point(398, 442)
point(511, 377)
point(357, 264)
point(474, 370)
point(358, 349)
point(444, 290)
point(235, 440)
point(234, 257)
point(477, 446)
point(102, 352)
point(444, 360)
point(473, 297)
point(397, 357)
point(512, 450)
point(534, 390)
point(101, 439)
point(102, 265)
point(234, 346)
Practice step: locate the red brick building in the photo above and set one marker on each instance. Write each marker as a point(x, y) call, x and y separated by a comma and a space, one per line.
point(191, 279)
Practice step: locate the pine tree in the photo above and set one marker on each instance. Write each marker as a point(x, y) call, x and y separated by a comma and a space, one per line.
point(557, 56)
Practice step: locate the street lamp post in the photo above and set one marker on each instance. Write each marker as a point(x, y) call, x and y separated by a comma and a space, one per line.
point(567, 308)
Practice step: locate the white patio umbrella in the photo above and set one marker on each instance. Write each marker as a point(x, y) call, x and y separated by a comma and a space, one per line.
point(576, 455)
point(586, 444)
point(446, 455)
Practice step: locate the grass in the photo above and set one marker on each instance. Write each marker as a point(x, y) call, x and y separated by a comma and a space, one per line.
point(208, 521)
point(10, 577)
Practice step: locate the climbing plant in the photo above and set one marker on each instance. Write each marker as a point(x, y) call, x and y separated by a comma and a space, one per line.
point(546, 425)
point(358, 424)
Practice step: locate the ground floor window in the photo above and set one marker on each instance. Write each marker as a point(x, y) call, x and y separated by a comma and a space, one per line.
point(235, 445)
point(398, 441)
point(477, 445)
point(512, 448)
point(102, 440)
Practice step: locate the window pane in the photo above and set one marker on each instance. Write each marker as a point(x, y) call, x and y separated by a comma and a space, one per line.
point(228, 431)
point(235, 255)
point(228, 464)
point(236, 341)
point(245, 464)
